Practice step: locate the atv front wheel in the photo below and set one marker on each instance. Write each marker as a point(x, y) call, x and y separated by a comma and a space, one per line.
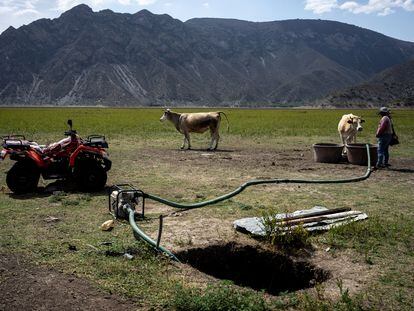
point(23, 177)
point(90, 176)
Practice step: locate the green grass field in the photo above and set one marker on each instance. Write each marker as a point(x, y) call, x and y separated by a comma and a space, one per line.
point(145, 122)
point(144, 152)
point(41, 123)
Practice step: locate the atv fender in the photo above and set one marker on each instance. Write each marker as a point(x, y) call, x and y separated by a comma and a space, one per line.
point(25, 155)
point(37, 159)
point(89, 150)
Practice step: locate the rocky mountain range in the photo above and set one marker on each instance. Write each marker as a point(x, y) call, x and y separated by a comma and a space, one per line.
point(392, 87)
point(106, 58)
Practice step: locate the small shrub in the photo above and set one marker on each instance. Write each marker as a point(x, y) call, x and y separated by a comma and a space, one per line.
point(280, 234)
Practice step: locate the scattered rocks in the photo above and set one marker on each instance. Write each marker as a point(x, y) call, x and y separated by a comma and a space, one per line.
point(50, 219)
point(128, 256)
point(108, 225)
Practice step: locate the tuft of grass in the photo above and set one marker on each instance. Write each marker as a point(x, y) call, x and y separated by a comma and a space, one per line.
point(182, 242)
point(345, 302)
point(217, 297)
point(64, 199)
point(69, 202)
point(58, 196)
point(243, 206)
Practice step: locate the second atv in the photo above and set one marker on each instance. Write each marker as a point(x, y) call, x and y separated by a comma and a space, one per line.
point(85, 162)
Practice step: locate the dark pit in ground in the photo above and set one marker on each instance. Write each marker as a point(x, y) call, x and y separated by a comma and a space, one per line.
point(253, 267)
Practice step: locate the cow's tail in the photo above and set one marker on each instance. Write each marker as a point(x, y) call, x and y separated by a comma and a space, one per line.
point(228, 123)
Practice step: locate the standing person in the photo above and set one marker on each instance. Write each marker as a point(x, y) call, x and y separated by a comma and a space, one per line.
point(384, 135)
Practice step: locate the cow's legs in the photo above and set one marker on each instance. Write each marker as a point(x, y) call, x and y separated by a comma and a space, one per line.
point(214, 131)
point(187, 137)
point(184, 140)
point(217, 135)
point(343, 139)
point(350, 139)
point(212, 139)
point(216, 138)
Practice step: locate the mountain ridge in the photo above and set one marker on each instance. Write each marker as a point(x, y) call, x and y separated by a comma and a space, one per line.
point(106, 58)
point(393, 87)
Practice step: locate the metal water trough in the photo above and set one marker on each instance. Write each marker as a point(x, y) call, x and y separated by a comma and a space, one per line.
point(357, 153)
point(328, 153)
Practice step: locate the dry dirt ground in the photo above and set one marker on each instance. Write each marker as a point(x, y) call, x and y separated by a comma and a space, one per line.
point(28, 287)
point(24, 286)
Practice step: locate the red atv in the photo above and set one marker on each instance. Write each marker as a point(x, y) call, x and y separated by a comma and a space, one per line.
point(83, 161)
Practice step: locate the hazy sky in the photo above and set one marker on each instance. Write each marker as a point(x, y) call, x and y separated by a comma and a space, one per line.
point(394, 18)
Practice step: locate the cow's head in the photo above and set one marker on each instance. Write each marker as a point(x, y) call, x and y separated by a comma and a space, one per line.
point(356, 122)
point(166, 114)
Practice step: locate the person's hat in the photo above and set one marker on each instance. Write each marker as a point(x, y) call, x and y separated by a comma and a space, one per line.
point(384, 110)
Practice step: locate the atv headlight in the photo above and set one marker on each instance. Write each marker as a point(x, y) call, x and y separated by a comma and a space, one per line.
point(3, 154)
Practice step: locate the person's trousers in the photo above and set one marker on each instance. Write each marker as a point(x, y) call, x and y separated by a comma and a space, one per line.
point(383, 144)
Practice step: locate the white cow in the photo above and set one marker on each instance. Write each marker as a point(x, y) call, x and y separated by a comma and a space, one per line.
point(348, 127)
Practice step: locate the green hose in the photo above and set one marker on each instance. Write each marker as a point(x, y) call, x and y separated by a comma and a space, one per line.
point(259, 182)
point(140, 234)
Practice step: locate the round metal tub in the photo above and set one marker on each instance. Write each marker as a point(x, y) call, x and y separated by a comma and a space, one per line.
point(357, 153)
point(327, 153)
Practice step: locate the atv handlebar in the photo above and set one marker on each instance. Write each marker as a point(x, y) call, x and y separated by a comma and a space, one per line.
point(70, 133)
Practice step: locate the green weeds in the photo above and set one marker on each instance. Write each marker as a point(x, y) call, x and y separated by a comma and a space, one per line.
point(217, 297)
point(282, 235)
point(368, 236)
point(64, 199)
point(319, 302)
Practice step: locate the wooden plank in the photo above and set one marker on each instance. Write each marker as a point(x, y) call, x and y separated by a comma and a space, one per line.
point(317, 213)
point(319, 218)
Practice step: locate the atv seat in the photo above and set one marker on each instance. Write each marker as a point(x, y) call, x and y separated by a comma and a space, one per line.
point(13, 143)
point(96, 141)
point(57, 146)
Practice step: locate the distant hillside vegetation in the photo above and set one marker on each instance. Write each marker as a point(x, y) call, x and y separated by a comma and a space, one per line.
point(392, 87)
point(91, 58)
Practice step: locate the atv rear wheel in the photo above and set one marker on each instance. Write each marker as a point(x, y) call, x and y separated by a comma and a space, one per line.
point(90, 176)
point(23, 177)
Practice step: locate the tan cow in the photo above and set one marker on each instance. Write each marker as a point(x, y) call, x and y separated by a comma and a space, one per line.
point(348, 127)
point(199, 122)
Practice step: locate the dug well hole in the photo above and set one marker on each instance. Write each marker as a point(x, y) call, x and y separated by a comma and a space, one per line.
point(253, 267)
